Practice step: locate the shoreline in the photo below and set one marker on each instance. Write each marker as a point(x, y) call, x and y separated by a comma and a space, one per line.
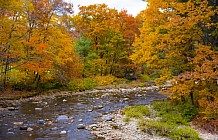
point(118, 129)
point(14, 100)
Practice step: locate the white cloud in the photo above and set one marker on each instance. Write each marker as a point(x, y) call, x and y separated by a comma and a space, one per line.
point(132, 6)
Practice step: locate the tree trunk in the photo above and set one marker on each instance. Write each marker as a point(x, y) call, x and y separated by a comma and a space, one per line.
point(192, 98)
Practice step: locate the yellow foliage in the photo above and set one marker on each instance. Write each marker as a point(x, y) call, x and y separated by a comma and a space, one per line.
point(104, 80)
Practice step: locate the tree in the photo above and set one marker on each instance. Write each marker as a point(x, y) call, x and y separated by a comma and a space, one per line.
point(35, 44)
point(176, 38)
point(111, 34)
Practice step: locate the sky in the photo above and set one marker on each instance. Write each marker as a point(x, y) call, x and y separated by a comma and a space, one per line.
point(133, 7)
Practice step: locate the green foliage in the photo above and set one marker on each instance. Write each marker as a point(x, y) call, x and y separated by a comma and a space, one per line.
point(174, 118)
point(137, 111)
point(184, 133)
point(89, 83)
point(144, 78)
point(76, 85)
point(126, 119)
point(155, 75)
point(173, 122)
point(51, 85)
point(179, 113)
point(172, 131)
point(81, 84)
point(157, 127)
point(83, 45)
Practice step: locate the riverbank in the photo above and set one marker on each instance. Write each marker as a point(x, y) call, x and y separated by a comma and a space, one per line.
point(117, 128)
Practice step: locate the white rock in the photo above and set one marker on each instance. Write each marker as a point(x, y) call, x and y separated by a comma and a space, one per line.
point(63, 132)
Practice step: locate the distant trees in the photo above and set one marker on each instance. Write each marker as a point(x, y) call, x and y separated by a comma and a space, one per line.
point(106, 36)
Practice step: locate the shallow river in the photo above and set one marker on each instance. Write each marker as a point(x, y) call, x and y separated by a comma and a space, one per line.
point(41, 116)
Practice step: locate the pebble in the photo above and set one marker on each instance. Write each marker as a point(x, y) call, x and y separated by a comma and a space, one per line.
point(126, 99)
point(99, 107)
point(23, 127)
point(54, 128)
point(108, 118)
point(80, 120)
point(11, 108)
point(41, 122)
point(10, 133)
point(18, 123)
point(93, 126)
point(29, 129)
point(62, 118)
point(38, 109)
point(63, 132)
point(90, 110)
point(64, 100)
point(81, 126)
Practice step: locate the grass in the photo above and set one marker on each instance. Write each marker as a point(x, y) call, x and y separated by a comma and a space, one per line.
point(173, 123)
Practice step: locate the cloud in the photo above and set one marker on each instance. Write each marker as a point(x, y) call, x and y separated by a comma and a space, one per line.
point(132, 6)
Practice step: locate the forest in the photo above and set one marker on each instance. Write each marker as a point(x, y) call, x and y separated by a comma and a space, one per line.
point(44, 45)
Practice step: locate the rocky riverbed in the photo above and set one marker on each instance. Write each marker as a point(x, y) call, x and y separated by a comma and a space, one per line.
point(66, 115)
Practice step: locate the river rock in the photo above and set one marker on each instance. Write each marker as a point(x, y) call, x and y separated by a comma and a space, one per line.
point(38, 109)
point(108, 118)
point(41, 122)
point(99, 107)
point(93, 126)
point(23, 127)
point(63, 132)
point(18, 123)
point(64, 100)
point(80, 120)
point(81, 126)
point(54, 128)
point(90, 110)
point(62, 118)
point(29, 129)
point(10, 133)
point(11, 108)
point(126, 99)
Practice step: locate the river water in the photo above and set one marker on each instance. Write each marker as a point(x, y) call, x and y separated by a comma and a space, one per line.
point(41, 116)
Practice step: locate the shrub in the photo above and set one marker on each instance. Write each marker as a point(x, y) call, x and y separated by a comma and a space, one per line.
point(76, 85)
point(184, 133)
point(89, 84)
point(175, 113)
point(137, 111)
point(144, 78)
point(157, 127)
point(155, 75)
point(174, 118)
point(105, 80)
point(51, 85)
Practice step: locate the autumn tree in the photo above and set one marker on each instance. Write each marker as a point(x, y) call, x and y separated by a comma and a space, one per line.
point(180, 39)
point(111, 34)
point(35, 43)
